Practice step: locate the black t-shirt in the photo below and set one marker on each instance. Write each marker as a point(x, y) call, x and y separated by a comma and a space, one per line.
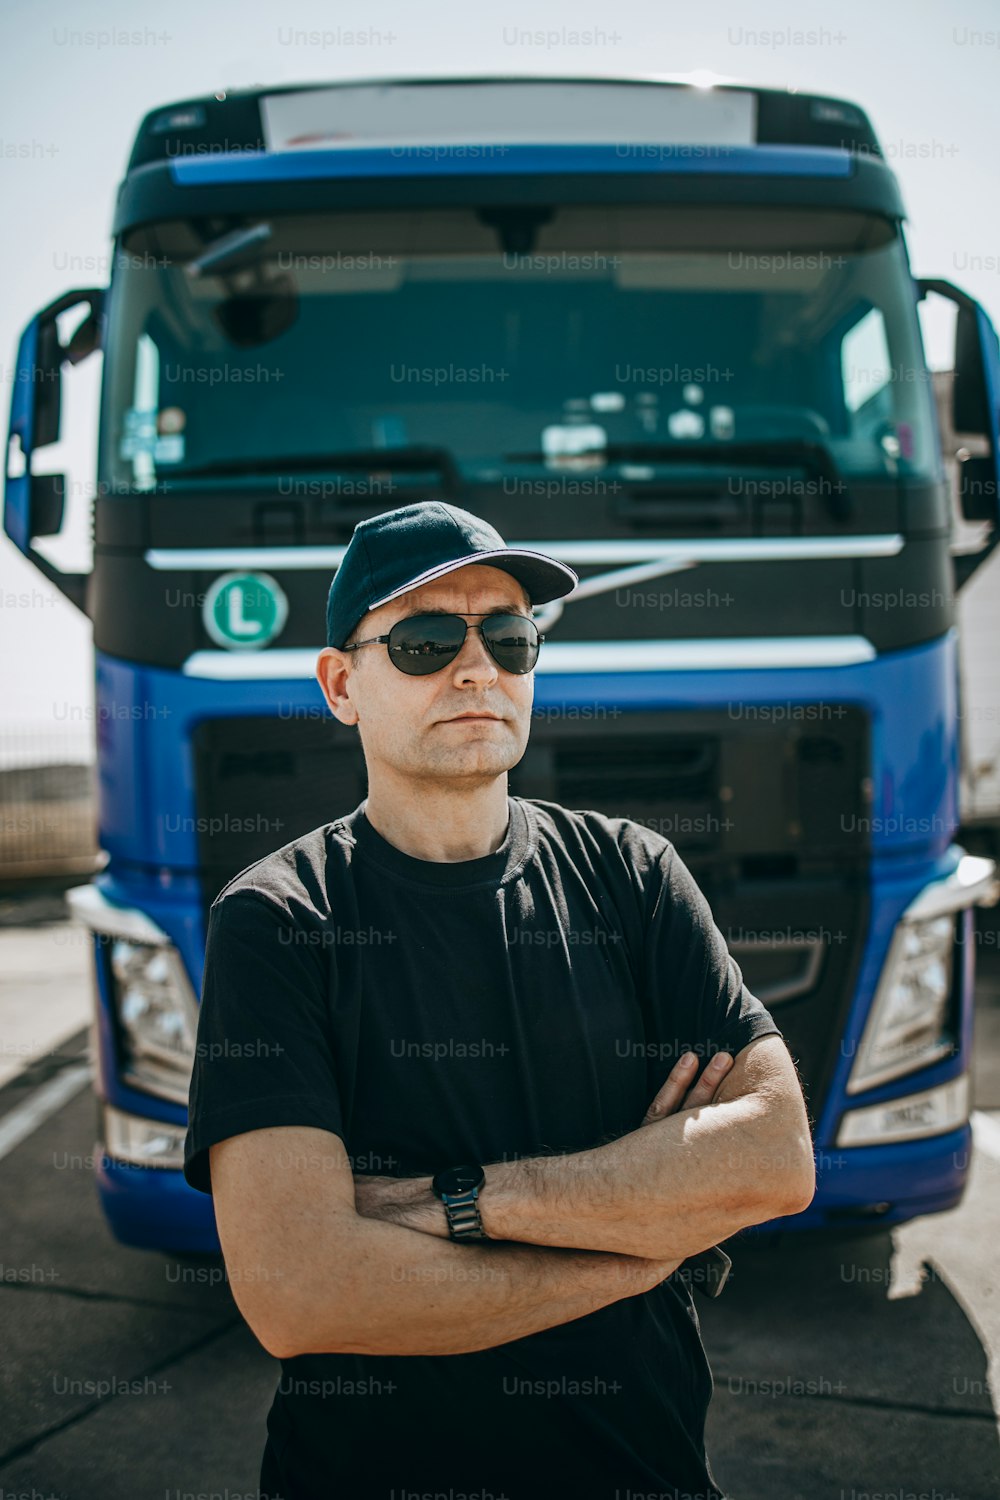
point(525, 1003)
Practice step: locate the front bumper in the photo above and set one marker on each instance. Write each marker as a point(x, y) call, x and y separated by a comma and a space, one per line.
point(154, 1208)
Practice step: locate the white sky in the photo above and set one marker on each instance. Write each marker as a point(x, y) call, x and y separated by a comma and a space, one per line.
point(926, 73)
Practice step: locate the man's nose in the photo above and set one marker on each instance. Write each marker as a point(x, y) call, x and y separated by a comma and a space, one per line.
point(474, 663)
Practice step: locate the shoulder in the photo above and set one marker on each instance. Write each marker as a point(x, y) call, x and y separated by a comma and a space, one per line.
point(590, 839)
point(296, 878)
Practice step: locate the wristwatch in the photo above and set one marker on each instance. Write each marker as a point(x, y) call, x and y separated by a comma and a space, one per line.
point(458, 1189)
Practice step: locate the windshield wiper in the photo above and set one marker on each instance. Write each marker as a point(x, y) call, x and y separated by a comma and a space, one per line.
point(412, 459)
point(762, 453)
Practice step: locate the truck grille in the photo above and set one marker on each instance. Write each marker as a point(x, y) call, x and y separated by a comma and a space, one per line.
point(771, 811)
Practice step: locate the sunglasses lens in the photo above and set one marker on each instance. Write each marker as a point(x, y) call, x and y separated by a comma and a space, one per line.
point(512, 641)
point(425, 643)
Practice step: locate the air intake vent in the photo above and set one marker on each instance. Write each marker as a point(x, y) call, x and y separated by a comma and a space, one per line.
point(651, 770)
point(261, 782)
point(753, 787)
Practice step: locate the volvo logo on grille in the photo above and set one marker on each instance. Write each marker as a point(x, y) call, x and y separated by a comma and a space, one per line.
point(243, 611)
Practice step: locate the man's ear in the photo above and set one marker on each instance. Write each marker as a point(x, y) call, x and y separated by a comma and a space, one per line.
point(333, 672)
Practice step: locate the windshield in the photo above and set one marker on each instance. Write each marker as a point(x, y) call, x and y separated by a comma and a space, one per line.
point(619, 337)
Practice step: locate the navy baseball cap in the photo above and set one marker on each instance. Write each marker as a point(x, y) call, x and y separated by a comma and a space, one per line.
point(400, 549)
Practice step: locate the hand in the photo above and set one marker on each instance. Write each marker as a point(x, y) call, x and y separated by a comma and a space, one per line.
point(672, 1097)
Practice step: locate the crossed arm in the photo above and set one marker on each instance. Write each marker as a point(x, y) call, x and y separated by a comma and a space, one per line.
point(322, 1261)
point(685, 1179)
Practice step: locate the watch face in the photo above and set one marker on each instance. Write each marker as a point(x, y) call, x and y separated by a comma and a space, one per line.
point(455, 1180)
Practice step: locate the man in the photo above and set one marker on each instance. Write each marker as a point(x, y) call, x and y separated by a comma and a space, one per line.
point(434, 1027)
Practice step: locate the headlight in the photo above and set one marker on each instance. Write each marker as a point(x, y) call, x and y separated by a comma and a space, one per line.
point(157, 1015)
point(907, 1026)
point(158, 1018)
point(149, 991)
point(908, 1021)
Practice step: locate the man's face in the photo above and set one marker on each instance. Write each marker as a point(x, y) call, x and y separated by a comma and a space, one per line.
point(423, 727)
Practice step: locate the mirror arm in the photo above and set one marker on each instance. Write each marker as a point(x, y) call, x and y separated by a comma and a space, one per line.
point(73, 585)
point(946, 289)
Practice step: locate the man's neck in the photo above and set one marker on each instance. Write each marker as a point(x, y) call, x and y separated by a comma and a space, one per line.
point(441, 824)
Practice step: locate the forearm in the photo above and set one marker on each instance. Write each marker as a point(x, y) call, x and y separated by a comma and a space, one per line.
point(408, 1292)
point(672, 1188)
point(677, 1185)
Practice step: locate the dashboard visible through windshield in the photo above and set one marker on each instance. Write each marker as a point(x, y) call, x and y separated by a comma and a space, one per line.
point(625, 339)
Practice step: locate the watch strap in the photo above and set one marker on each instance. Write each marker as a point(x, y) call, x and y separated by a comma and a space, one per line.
point(464, 1221)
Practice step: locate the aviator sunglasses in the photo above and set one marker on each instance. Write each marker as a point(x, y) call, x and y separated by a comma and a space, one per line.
point(423, 644)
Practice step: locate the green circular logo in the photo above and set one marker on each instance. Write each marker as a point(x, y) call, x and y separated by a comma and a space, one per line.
point(244, 610)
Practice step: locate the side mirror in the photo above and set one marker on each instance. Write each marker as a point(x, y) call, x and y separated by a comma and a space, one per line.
point(968, 402)
point(48, 502)
point(34, 503)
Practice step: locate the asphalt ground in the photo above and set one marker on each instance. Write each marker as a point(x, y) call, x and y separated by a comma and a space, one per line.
point(855, 1368)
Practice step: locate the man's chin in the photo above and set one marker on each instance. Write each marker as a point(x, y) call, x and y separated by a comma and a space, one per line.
point(471, 765)
point(477, 761)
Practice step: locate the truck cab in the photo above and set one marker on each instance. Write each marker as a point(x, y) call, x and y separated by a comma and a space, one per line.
point(666, 334)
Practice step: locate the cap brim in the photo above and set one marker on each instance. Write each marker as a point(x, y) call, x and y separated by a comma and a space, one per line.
point(543, 577)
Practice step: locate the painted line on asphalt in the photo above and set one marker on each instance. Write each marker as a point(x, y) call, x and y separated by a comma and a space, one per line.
point(986, 1132)
point(24, 1118)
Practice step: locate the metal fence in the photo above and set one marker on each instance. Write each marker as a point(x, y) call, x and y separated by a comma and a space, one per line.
point(48, 803)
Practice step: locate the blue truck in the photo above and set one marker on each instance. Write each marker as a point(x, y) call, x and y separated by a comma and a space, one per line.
point(668, 334)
